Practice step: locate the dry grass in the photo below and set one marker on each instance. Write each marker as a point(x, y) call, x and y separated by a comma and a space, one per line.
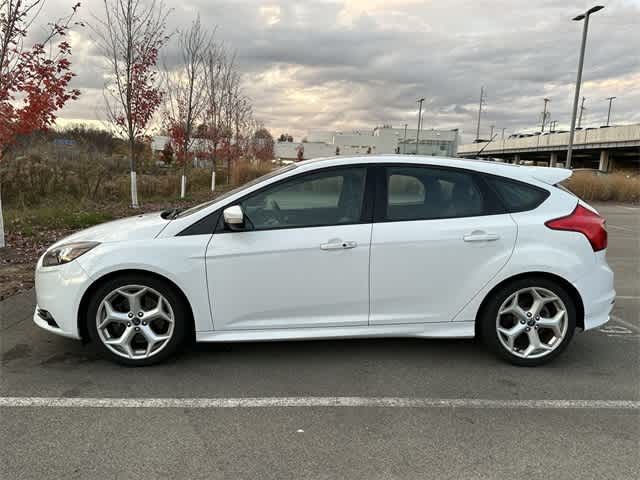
point(617, 187)
point(43, 177)
point(244, 171)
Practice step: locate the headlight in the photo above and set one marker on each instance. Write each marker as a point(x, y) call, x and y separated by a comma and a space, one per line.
point(66, 253)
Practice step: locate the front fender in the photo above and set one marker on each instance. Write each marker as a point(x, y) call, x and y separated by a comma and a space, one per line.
point(178, 259)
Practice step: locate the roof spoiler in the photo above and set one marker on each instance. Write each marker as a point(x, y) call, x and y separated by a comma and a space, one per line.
point(549, 175)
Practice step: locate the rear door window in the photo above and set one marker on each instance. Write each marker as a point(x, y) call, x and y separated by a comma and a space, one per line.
point(424, 193)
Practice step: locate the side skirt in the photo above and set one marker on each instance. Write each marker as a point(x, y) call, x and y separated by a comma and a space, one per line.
point(420, 330)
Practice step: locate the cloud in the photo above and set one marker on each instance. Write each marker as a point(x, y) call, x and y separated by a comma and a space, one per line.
point(353, 64)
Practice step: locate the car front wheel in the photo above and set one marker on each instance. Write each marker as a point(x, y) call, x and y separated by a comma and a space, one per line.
point(136, 319)
point(529, 321)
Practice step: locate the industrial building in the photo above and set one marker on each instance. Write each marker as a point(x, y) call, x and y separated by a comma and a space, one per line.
point(380, 140)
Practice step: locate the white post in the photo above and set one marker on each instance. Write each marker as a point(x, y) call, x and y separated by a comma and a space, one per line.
point(2, 245)
point(553, 161)
point(183, 186)
point(134, 190)
point(213, 180)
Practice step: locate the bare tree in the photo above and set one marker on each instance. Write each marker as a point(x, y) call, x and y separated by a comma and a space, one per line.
point(130, 37)
point(229, 118)
point(217, 72)
point(186, 98)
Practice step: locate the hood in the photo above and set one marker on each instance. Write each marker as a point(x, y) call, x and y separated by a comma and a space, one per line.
point(139, 227)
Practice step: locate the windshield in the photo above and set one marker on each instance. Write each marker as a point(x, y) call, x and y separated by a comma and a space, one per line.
point(255, 181)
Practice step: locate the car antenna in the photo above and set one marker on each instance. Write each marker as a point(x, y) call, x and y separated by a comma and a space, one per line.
point(487, 144)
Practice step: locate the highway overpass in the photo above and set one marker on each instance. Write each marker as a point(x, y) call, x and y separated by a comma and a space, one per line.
point(606, 148)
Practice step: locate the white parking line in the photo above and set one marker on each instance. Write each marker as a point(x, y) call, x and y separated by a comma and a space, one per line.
point(620, 228)
point(615, 318)
point(282, 402)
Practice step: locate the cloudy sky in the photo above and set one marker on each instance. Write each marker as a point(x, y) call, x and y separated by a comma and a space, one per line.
point(354, 64)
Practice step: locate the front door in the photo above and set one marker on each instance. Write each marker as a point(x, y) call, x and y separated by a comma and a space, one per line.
point(439, 238)
point(302, 259)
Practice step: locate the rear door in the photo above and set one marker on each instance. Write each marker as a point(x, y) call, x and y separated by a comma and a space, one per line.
point(440, 234)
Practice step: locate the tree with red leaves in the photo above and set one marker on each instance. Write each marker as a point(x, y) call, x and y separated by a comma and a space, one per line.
point(34, 81)
point(130, 37)
point(263, 145)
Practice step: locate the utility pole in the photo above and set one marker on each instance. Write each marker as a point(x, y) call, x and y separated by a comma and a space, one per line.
point(419, 122)
point(545, 114)
point(404, 143)
point(503, 134)
point(581, 110)
point(583, 16)
point(552, 126)
point(482, 103)
point(492, 127)
point(609, 113)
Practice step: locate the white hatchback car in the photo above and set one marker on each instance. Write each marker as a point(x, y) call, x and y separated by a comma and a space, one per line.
point(380, 246)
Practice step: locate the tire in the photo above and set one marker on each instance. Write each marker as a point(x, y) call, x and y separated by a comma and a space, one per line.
point(510, 332)
point(134, 331)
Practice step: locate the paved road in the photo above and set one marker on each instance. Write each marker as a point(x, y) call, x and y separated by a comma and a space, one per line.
point(393, 441)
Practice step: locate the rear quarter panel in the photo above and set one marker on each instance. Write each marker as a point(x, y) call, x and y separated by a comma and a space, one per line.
point(540, 249)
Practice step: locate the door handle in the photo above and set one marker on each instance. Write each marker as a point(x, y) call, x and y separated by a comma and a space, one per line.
point(338, 245)
point(480, 237)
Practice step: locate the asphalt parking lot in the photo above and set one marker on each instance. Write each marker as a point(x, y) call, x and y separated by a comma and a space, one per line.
point(588, 429)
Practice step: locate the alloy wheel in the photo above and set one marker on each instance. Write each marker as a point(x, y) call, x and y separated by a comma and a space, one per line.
point(532, 322)
point(135, 321)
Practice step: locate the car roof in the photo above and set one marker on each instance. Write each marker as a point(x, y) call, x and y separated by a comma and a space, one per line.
point(519, 172)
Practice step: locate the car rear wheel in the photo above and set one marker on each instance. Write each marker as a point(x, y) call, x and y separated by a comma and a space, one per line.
point(136, 319)
point(529, 321)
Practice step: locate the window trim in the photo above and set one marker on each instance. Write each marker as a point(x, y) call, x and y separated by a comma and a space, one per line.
point(496, 204)
point(375, 199)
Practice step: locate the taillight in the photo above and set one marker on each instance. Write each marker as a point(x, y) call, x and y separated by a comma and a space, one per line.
point(583, 220)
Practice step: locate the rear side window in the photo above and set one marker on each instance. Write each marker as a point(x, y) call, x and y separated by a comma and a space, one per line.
point(517, 196)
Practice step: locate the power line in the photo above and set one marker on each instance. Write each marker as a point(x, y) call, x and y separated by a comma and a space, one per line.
point(582, 108)
point(545, 114)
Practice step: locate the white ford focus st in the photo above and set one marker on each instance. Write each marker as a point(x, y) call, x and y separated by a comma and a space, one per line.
point(382, 246)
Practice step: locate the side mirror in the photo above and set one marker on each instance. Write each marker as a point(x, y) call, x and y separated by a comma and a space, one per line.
point(234, 217)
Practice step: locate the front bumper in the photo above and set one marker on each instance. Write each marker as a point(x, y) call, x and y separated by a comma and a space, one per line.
point(59, 291)
point(597, 292)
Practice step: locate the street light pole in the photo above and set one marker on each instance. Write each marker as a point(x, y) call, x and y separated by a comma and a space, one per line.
point(480, 112)
point(404, 143)
point(419, 122)
point(585, 17)
point(609, 113)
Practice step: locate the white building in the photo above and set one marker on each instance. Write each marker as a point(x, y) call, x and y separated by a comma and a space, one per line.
point(380, 140)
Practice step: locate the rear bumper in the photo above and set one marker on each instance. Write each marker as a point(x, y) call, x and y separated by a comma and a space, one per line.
point(597, 292)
